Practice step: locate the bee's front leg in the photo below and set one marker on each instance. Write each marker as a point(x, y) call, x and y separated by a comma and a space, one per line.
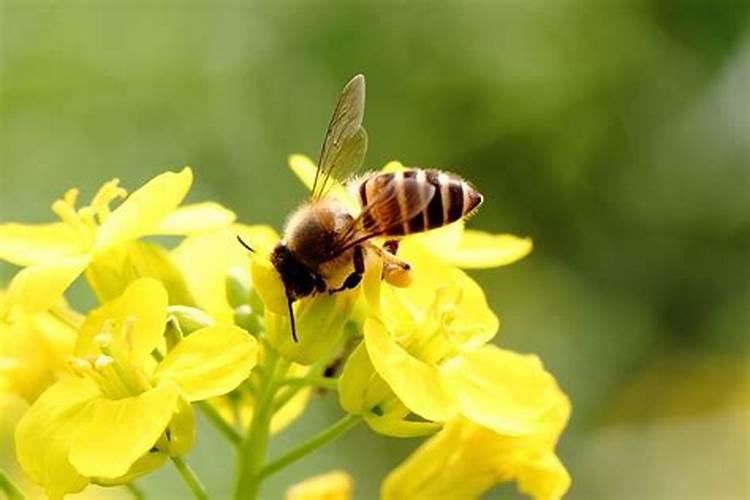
point(355, 277)
point(320, 284)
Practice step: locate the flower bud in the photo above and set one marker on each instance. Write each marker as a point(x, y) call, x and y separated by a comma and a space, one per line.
point(238, 286)
point(190, 319)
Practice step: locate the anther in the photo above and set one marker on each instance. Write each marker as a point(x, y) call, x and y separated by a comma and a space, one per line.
point(79, 364)
point(103, 361)
point(103, 339)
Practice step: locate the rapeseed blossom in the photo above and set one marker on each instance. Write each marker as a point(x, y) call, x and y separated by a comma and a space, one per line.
point(101, 241)
point(205, 325)
point(123, 410)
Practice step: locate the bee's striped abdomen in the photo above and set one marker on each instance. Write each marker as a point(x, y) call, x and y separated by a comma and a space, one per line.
point(406, 211)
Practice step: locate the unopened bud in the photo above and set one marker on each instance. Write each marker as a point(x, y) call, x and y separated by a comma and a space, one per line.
point(238, 286)
point(190, 319)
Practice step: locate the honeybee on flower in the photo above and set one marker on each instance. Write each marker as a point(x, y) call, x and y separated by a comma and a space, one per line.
point(324, 236)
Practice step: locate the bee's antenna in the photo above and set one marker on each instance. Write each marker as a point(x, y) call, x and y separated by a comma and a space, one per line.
point(291, 319)
point(239, 238)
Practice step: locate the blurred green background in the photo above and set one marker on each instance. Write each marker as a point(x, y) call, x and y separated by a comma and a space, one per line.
point(615, 133)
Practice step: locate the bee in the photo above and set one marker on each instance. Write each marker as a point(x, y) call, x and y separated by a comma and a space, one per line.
point(322, 239)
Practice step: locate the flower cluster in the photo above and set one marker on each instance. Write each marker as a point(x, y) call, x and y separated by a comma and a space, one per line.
point(204, 325)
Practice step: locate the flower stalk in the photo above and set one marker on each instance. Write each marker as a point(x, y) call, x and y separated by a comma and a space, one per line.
point(7, 486)
point(254, 449)
point(324, 437)
point(191, 479)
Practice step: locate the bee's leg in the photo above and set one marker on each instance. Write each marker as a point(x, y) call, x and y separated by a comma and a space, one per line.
point(396, 271)
point(388, 257)
point(320, 284)
point(391, 246)
point(359, 270)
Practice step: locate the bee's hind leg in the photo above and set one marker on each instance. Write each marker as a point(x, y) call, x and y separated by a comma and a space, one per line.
point(396, 271)
point(355, 277)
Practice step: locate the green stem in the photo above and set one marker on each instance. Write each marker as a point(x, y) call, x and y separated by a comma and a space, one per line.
point(135, 491)
point(7, 485)
point(221, 425)
point(322, 438)
point(331, 384)
point(255, 446)
point(293, 389)
point(191, 479)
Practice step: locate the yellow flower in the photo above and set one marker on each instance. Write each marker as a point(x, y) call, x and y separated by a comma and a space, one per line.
point(412, 358)
point(123, 412)
point(34, 347)
point(466, 459)
point(213, 284)
point(334, 485)
point(89, 237)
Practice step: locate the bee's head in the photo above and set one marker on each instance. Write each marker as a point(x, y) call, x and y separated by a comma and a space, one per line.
point(298, 280)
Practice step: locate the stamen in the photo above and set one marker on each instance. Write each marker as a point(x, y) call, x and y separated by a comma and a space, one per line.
point(86, 215)
point(109, 192)
point(104, 339)
point(102, 361)
point(70, 197)
point(127, 331)
point(79, 365)
point(66, 212)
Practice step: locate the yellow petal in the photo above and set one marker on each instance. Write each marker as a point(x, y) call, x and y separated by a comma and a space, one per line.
point(432, 471)
point(27, 244)
point(304, 168)
point(478, 250)
point(113, 270)
point(142, 307)
point(465, 460)
point(399, 427)
point(144, 465)
point(440, 242)
point(355, 377)
point(44, 435)
point(335, 485)
point(114, 434)
point(504, 391)
point(393, 166)
point(36, 288)
point(543, 477)
point(34, 350)
point(418, 385)
point(207, 281)
point(268, 285)
point(462, 309)
point(181, 436)
point(196, 218)
point(209, 362)
point(142, 212)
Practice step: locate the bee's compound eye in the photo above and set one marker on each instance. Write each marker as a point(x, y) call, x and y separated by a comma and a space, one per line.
point(397, 276)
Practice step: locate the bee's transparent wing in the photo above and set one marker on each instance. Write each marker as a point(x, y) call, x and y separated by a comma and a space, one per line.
point(385, 212)
point(345, 142)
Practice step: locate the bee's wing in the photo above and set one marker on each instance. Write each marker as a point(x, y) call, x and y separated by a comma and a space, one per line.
point(386, 211)
point(345, 142)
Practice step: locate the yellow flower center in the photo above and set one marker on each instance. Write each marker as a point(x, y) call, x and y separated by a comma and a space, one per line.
point(430, 342)
point(114, 370)
point(87, 219)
